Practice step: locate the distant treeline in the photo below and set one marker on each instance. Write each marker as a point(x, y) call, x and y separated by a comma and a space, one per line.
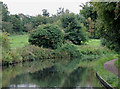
point(19, 23)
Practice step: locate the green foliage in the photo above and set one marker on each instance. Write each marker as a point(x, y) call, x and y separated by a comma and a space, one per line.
point(71, 49)
point(77, 36)
point(39, 20)
point(16, 22)
point(87, 11)
point(5, 12)
point(48, 36)
point(4, 41)
point(45, 12)
point(7, 27)
point(75, 31)
point(69, 21)
point(107, 25)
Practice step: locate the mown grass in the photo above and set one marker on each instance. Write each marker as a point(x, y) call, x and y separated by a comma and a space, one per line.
point(94, 42)
point(18, 41)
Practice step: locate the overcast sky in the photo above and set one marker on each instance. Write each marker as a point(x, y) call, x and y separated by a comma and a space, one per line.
point(34, 7)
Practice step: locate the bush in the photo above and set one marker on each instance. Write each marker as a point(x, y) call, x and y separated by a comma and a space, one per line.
point(69, 21)
point(70, 49)
point(48, 36)
point(77, 36)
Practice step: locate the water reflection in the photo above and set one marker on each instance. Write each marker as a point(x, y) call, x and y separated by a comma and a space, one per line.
point(48, 74)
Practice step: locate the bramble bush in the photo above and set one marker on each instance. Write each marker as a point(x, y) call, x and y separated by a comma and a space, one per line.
point(48, 36)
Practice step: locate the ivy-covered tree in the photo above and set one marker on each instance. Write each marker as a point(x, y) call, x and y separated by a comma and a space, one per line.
point(45, 13)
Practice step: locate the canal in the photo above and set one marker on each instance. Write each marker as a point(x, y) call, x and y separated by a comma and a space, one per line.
point(39, 74)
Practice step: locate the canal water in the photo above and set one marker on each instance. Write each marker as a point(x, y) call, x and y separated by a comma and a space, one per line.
point(49, 74)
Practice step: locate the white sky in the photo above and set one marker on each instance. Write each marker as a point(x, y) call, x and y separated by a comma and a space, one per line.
point(34, 7)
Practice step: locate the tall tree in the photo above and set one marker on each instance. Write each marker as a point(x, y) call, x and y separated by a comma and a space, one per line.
point(39, 20)
point(87, 11)
point(5, 12)
point(60, 11)
point(16, 22)
point(73, 29)
point(45, 13)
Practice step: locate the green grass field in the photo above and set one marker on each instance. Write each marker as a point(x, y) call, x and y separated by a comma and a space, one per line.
point(94, 42)
point(18, 41)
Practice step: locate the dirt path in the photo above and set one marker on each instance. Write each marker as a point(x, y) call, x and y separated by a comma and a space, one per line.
point(110, 67)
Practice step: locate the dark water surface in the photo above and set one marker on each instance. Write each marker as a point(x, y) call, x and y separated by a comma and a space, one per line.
point(48, 74)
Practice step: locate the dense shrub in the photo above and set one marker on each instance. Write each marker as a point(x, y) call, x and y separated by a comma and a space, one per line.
point(69, 21)
point(48, 36)
point(71, 49)
point(75, 31)
point(77, 36)
point(109, 44)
